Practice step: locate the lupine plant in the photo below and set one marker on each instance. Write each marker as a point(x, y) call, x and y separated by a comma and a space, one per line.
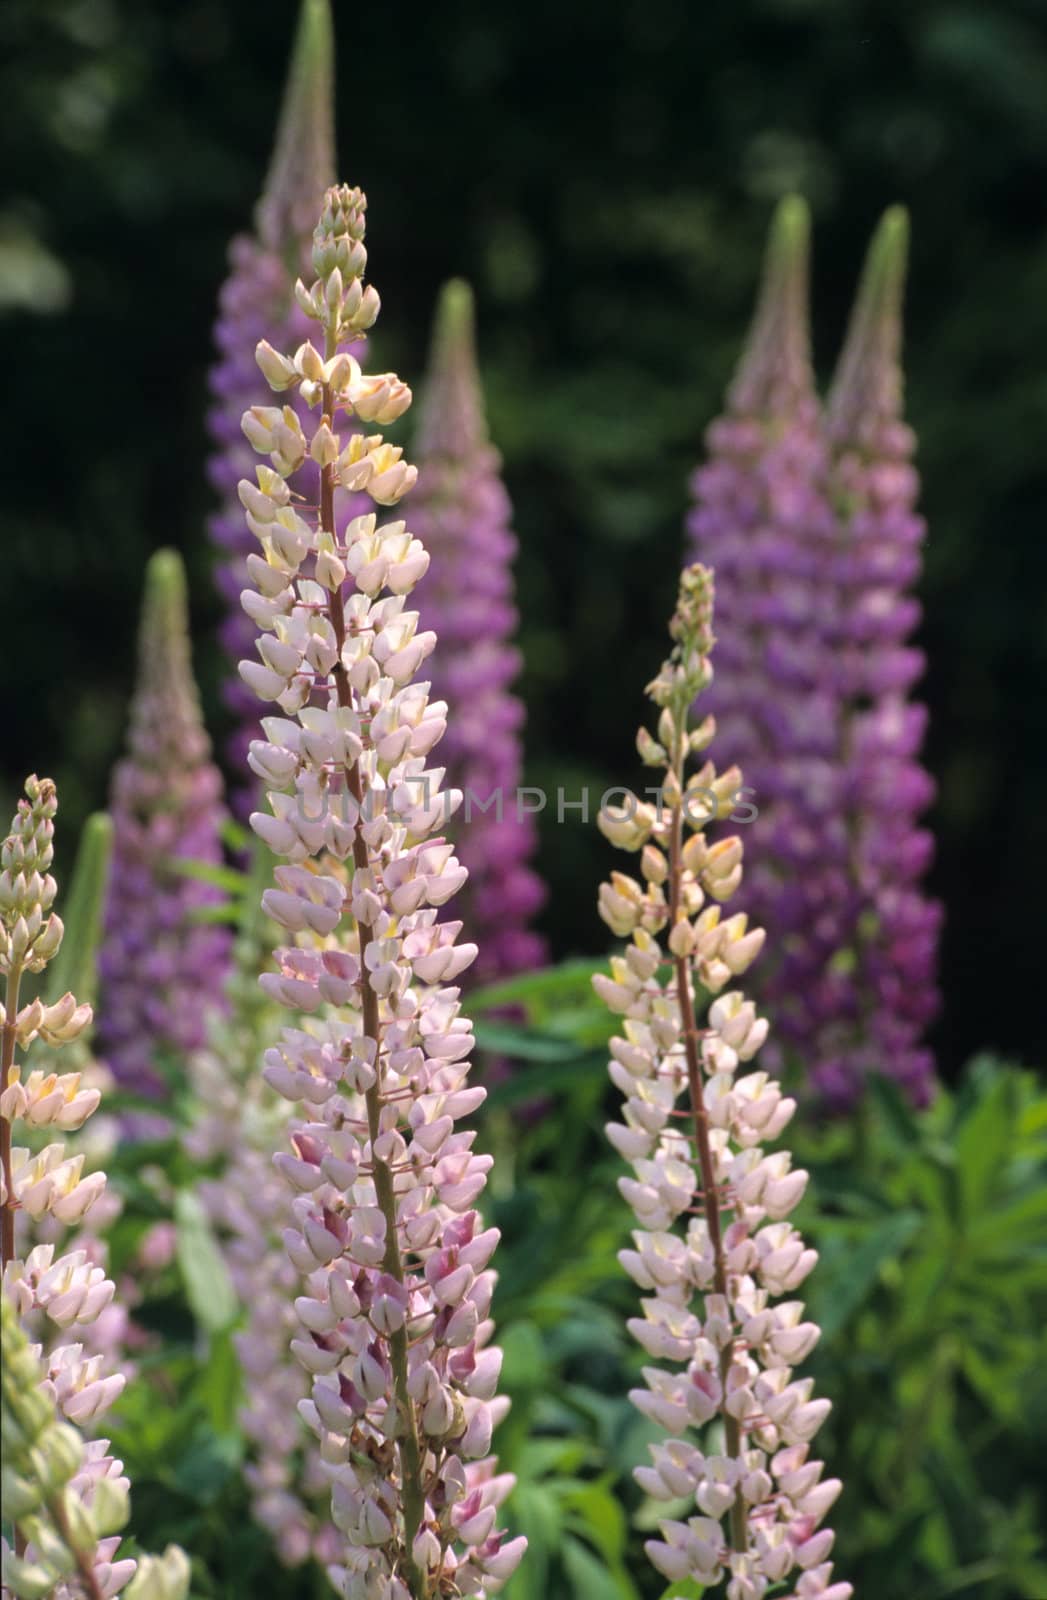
point(461, 512)
point(84, 1504)
point(711, 1205)
point(394, 1321)
point(892, 992)
point(257, 301)
point(807, 519)
point(162, 967)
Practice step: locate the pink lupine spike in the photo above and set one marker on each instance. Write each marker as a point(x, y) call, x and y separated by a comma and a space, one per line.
point(808, 521)
point(394, 1328)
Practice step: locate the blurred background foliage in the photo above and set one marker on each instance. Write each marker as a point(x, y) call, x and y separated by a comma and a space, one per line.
point(604, 175)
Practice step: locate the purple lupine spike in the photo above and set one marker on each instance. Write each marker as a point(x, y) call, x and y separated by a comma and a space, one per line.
point(161, 971)
point(763, 520)
point(257, 301)
point(462, 513)
point(810, 528)
point(874, 485)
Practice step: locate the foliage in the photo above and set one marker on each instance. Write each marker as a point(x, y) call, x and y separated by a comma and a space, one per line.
point(932, 1291)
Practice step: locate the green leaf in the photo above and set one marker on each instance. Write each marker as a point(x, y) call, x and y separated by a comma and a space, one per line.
point(540, 1082)
point(229, 879)
point(857, 1270)
point(538, 988)
point(501, 1038)
point(985, 1139)
point(207, 1286)
point(74, 967)
point(601, 1516)
point(591, 1577)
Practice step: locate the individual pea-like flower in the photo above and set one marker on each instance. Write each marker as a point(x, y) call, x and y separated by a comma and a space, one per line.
point(712, 1205)
point(394, 1317)
point(162, 967)
point(43, 1185)
point(812, 564)
point(461, 512)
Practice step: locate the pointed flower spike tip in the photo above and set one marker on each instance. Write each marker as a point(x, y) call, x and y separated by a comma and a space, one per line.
point(163, 640)
point(867, 387)
point(776, 367)
point(303, 161)
point(455, 318)
point(166, 603)
point(451, 411)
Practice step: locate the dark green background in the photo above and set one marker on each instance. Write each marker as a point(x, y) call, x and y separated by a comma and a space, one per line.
point(603, 174)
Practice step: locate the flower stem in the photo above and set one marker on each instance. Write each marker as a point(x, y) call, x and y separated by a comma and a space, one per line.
point(408, 1445)
point(710, 1190)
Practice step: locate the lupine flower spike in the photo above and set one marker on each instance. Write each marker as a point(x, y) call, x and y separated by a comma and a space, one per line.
point(43, 1185)
point(808, 522)
point(394, 1318)
point(888, 977)
point(764, 523)
point(712, 1207)
point(161, 969)
point(461, 513)
point(257, 301)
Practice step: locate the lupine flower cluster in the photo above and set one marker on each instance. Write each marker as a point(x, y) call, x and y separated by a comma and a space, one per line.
point(257, 301)
point(43, 1184)
point(63, 1537)
point(161, 969)
point(395, 1324)
point(711, 1205)
point(461, 513)
point(808, 523)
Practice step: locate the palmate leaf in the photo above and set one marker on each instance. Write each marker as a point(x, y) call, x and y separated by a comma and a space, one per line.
point(848, 1273)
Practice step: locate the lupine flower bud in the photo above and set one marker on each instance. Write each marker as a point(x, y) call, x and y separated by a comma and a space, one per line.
point(395, 1328)
point(712, 1207)
point(162, 969)
point(461, 512)
point(807, 520)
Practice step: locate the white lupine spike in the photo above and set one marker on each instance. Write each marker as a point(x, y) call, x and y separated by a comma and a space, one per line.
point(737, 1350)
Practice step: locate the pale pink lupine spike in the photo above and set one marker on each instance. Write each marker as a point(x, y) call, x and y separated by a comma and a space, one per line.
point(44, 1189)
point(711, 1204)
point(395, 1292)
